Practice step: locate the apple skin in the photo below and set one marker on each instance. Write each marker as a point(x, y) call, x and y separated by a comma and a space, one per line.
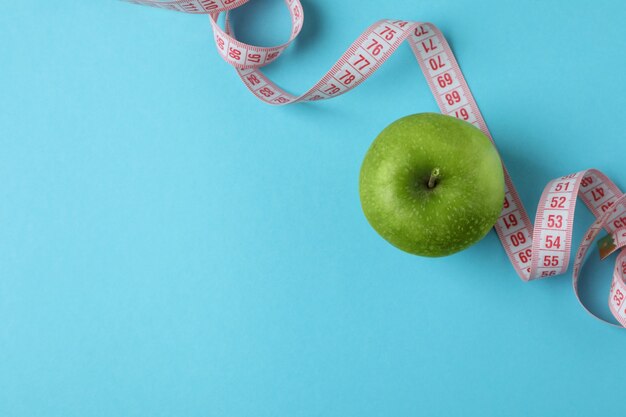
point(466, 197)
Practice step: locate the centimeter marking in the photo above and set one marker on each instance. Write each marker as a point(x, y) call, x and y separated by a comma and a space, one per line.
point(535, 252)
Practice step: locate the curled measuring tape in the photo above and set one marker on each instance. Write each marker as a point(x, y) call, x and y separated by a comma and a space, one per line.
point(536, 252)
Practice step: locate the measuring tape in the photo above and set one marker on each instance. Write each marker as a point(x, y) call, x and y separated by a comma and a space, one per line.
point(536, 252)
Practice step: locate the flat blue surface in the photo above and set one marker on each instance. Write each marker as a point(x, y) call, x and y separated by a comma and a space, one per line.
point(170, 246)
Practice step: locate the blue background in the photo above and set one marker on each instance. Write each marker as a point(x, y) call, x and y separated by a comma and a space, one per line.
point(170, 246)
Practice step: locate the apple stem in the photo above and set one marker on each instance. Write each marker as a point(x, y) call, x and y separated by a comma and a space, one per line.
point(434, 176)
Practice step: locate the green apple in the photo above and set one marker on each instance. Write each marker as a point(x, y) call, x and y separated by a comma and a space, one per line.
point(432, 185)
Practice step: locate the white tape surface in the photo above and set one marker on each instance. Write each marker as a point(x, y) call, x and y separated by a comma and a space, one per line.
point(535, 252)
